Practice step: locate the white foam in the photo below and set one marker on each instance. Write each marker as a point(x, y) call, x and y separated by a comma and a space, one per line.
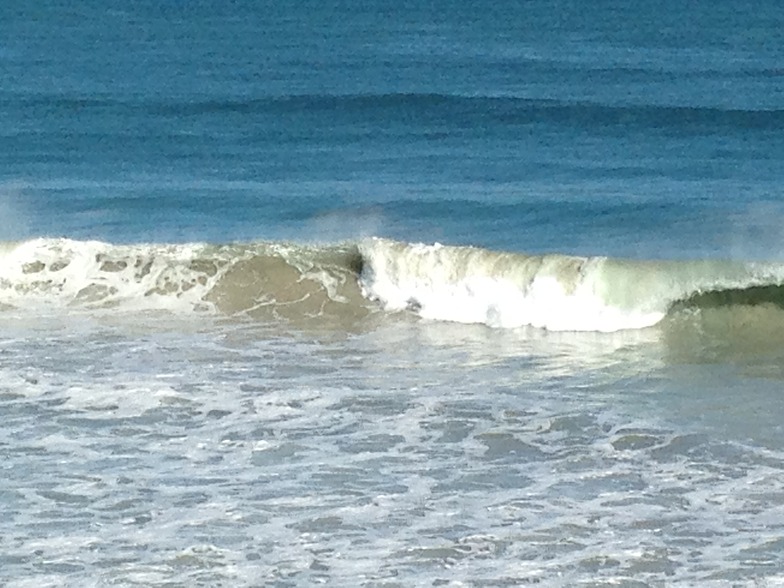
point(64, 272)
point(470, 285)
point(58, 274)
point(554, 292)
point(120, 401)
point(409, 460)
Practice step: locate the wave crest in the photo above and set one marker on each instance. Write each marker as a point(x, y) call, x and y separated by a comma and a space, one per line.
point(341, 284)
point(555, 292)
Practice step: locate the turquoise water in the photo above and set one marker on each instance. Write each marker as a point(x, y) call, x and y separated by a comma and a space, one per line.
point(391, 295)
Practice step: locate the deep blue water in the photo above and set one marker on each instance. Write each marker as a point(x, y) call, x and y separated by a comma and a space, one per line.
point(620, 128)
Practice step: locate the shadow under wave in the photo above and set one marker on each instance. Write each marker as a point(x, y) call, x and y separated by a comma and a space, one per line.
point(743, 327)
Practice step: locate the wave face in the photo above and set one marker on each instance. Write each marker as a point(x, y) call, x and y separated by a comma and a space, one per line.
point(342, 284)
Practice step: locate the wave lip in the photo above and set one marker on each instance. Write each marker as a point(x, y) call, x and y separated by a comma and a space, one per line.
point(554, 292)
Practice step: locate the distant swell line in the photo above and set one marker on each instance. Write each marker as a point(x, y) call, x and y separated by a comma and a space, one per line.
point(416, 106)
point(510, 110)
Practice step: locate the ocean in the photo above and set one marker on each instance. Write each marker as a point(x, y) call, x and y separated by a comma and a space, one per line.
point(391, 294)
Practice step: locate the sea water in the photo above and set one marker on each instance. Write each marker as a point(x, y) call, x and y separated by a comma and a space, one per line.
point(410, 294)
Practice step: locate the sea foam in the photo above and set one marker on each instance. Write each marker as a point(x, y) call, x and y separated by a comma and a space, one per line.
point(554, 292)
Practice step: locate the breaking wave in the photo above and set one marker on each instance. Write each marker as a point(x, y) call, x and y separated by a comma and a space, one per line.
point(347, 282)
point(265, 281)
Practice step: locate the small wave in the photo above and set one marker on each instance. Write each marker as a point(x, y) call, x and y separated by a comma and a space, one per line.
point(458, 110)
point(344, 283)
point(475, 109)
